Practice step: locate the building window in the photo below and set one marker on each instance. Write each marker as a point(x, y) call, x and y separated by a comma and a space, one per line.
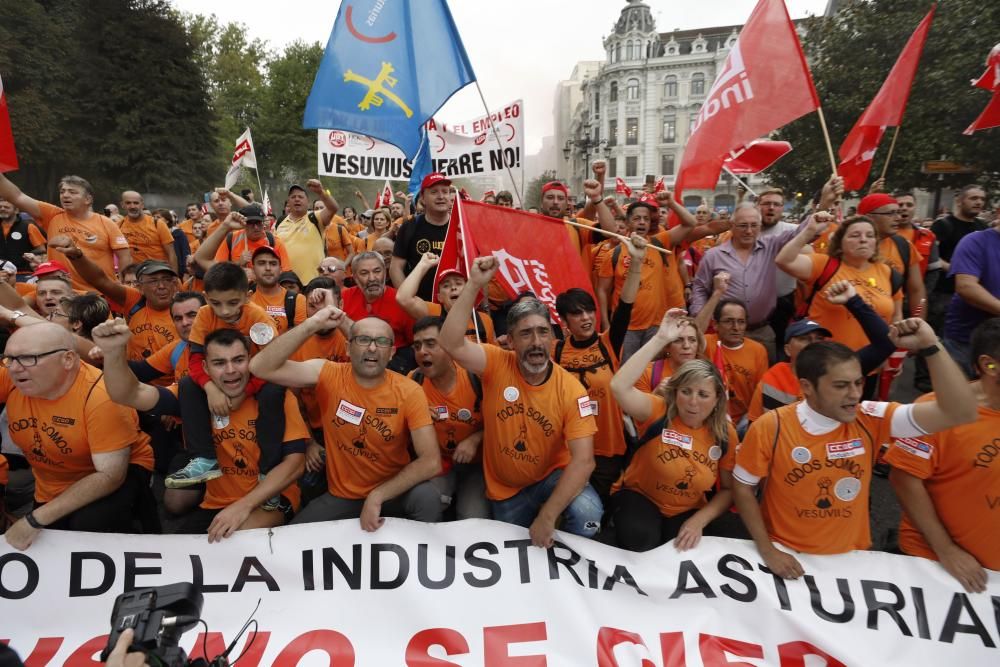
point(694, 115)
point(631, 167)
point(670, 86)
point(670, 129)
point(597, 134)
point(697, 83)
point(629, 51)
point(612, 132)
point(667, 164)
point(613, 95)
point(618, 52)
point(632, 89)
point(612, 167)
point(631, 131)
point(597, 104)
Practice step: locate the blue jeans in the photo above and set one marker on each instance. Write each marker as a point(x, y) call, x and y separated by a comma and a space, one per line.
point(581, 517)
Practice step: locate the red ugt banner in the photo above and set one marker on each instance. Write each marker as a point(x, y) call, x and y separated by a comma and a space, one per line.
point(8, 156)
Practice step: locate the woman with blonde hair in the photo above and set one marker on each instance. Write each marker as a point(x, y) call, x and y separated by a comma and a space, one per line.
point(689, 450)
point(380, 223)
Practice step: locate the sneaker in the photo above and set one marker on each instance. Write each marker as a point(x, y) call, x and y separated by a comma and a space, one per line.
point(272, 504)
point(197, 471)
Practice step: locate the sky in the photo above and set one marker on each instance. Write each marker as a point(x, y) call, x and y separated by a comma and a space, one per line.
point(520, 49)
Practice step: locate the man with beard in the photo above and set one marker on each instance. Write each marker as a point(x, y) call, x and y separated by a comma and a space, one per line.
point(425, 233)
point(302, 230)
point(286, 308)
point(99, 238)
point(147, 237)
point(147, 309)
point(17, 238)
point(538, 448)
point(371, 297)
point(370, 418)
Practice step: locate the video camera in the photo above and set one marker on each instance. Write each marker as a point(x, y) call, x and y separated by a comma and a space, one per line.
point(158, 617)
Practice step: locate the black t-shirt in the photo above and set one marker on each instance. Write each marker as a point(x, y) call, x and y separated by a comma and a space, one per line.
point(415, 237)
point(949, 230)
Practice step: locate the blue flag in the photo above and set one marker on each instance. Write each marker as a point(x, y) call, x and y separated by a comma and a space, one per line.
point(422, 164)
point(387, 69)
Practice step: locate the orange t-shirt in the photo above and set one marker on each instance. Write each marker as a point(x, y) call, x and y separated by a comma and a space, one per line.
point(745, 366)
point(528, 426)
point(4, 471)
point(816, 495)
point(162, 360)
point(595, 371)
point(599, 254)
point(677, 468)
point(367, 430)
point(241, 244)
point(436, 310)
point(821, 244)
point(889, 253)
point(274, 306)
point(777, 387)
point(961, 473)
point(456, 415)
point(146, 238)
point(238, 454)
point(340, 242)
point(332, 347)
point(58, 437)
point(874, 285)
point(660, 286)
point(187, 226)
point(97, 236)
point(207, 321)
point(152, 330)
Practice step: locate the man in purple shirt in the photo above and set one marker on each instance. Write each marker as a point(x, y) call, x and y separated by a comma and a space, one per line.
point(975, 266)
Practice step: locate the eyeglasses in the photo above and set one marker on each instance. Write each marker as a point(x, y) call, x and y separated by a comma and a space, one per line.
point(366, 341)
point(326, 269)
point(27, 360)
point(165, 280)
point(746, 228)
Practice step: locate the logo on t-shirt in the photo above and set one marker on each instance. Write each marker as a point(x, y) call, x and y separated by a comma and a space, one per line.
point(511, 394)
point(350, 413)
point(423, 246)
point(583, 404)
point(671, 437)
point(845, 449)
point(915, 447)
point(801, 454)
point(439, 412)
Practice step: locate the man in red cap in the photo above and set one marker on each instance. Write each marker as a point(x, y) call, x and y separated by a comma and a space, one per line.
point(424, 233)
point(895, 250)
point(53, 285)
point(449, 286)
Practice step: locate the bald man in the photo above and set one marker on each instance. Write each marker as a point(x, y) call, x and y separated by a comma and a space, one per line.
point(90, 460)
point(371, 418)
point(147, 238)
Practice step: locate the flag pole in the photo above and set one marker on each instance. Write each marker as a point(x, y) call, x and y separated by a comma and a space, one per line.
point(740, 181)
point(604, 232)
point(496, 137)
point(885, 167)
point(465, 259)
point(826, 135)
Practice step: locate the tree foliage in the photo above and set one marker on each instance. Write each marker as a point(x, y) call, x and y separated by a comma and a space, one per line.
point(852, 53)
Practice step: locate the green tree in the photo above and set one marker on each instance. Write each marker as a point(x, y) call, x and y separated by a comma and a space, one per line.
point(852, 53)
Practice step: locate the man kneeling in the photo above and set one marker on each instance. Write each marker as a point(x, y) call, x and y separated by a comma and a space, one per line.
point(240, 498)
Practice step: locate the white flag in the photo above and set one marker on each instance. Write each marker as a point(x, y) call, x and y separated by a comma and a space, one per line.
point(267, 203)
point(243, 155)
point(384, 198)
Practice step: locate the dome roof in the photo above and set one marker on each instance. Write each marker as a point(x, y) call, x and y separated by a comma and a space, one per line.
point(635, 16)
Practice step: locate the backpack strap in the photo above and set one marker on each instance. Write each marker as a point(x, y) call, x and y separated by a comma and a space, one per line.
point(139, 305)
point(558, 353)
point(903, 248)
point(615, 254)
point(290, 303)
point(896, 279)
point(477, 389)
point(175, 355)
point(417, 377)
point(832, 265)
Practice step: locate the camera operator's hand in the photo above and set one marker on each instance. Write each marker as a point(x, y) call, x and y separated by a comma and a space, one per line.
point(120, 657)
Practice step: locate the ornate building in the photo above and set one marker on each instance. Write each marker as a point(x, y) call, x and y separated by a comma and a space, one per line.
point(636, 110)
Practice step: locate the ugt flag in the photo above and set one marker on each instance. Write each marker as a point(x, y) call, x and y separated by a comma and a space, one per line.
point(990, 80)
point(756, 156)
point(388, 67)
point(243, 156)
point(8, 156)
point(886, 110)
point(764, 84)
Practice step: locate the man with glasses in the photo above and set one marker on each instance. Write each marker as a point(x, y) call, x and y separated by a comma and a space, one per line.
point(335, 269)
point(895, 250)
point(771, 203)
point(90, 461)
point(371, 420)
point(146, 309)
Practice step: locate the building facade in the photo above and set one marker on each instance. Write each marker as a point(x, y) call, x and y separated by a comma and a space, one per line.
point(637, 107)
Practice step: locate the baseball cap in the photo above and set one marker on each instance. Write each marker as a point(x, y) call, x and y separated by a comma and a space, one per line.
point(253, 213)
point(432, 179)
point(296, 186)
point(871, 202)
point(804, 327)
point(51, 266)
point(151, 266)
point(289, 277)
point(555, 185)
point(447, 273)
point(260, 250)
point(369, 213)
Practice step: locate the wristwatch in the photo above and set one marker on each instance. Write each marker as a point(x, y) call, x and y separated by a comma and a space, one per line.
point(32, 521)
point(14, 315)
point(930, 351)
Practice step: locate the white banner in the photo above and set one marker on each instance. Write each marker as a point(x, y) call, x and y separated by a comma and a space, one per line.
point(476, 592)
point(457, 149)
point(243, 156)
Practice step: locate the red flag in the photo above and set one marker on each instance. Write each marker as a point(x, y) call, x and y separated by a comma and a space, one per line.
point(886, 110)
point(8, 156)
point(765, 83)
point(621, 188)
point(384, 197)
point(534, 251)
point(990, 80)
point(756, 156)
point(459, 248)
point(659, 186)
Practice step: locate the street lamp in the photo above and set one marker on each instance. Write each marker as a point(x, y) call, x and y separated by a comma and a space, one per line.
point(585, 145)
